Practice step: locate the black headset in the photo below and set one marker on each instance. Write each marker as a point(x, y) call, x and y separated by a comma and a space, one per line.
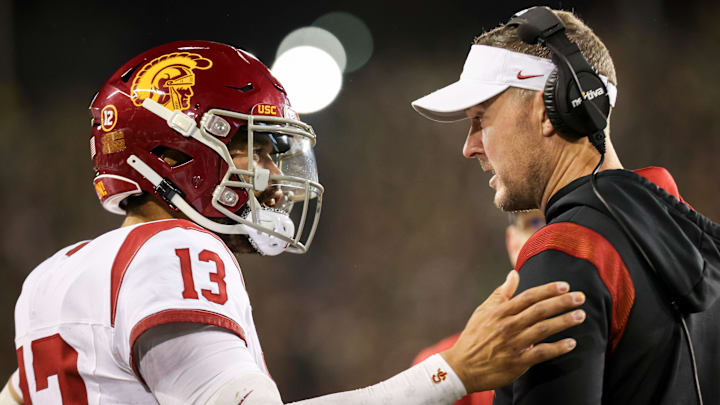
point(576, 99)
point(576, 112)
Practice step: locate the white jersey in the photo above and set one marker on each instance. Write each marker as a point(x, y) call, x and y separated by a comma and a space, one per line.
point(81, 310)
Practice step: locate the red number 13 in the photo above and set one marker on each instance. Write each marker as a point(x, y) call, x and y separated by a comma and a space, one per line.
point(218, 277)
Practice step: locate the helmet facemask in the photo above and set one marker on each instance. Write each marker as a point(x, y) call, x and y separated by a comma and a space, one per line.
point(270, 227)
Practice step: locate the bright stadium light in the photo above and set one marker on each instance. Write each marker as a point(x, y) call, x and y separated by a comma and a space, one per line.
point(311, 77)
point(317, 37)
point(353, 35)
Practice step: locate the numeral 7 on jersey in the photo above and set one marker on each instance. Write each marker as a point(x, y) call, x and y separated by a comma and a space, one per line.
point(189, 291)
point(53, 356)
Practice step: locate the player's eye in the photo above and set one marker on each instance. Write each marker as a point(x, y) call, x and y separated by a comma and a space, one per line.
point(257, 154)
point(275, 157)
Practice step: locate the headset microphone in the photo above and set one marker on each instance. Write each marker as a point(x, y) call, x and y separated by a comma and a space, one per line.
point(576, 113)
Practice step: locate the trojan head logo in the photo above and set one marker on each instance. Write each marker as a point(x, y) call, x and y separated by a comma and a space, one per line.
point(169, 79)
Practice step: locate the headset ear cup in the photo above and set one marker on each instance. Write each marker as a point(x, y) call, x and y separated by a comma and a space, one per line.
point(549, 100)
point(555, 89)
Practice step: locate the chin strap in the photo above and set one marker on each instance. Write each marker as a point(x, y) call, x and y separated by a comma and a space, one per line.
point(279, 222)
point(176, 120)
point(255, 226)
point(263, 242)
point(185, 126)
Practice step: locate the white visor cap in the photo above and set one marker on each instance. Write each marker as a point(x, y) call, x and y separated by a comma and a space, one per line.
point(488, 71)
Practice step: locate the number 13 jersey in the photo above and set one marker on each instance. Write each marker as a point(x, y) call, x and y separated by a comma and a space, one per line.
point(81, 311)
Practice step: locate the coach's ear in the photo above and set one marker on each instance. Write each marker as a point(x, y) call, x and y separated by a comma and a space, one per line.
point(546, 127)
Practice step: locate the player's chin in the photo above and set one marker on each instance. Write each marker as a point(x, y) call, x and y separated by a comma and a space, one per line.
point(238, 244)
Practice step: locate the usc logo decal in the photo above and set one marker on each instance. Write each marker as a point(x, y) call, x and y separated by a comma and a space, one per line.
point(267, 110)
point(439, 376)
point(169, 79)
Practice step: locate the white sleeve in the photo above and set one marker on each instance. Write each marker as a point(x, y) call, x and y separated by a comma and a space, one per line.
point(10, 394)
point(185, 363)
point(191, 364)
point(14, 385)
point(431, 381)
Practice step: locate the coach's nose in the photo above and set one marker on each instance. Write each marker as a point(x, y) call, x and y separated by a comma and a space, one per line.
point(473, 147)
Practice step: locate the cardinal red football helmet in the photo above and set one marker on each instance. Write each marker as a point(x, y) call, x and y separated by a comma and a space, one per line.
point(194, 97)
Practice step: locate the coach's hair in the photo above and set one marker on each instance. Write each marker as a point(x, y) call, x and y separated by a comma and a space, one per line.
point(591, 46)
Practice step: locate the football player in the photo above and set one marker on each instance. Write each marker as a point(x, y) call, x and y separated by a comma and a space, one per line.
point(196, 144)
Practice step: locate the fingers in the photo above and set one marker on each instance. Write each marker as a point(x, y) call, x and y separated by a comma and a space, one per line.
point(546, 351)
point(545, 309)
point(546, 328)
point(511, 284)
point(534, 295)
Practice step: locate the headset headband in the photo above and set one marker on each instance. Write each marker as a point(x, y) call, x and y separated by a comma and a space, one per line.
point(571, 108)
point(540, 24)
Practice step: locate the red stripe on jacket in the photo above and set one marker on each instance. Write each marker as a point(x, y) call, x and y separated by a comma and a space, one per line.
point(584, 243)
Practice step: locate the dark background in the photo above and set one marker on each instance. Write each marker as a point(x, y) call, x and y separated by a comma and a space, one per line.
point(409, 241)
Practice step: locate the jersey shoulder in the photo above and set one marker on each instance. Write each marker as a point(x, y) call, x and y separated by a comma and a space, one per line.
point(52, 261)
point(175, 271)
point(169, 263)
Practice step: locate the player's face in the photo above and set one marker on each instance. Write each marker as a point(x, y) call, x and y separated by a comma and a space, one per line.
point(264, 157)
point(506, 142)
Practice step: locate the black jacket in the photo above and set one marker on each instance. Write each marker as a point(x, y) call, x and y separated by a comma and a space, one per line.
point(631, 349)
